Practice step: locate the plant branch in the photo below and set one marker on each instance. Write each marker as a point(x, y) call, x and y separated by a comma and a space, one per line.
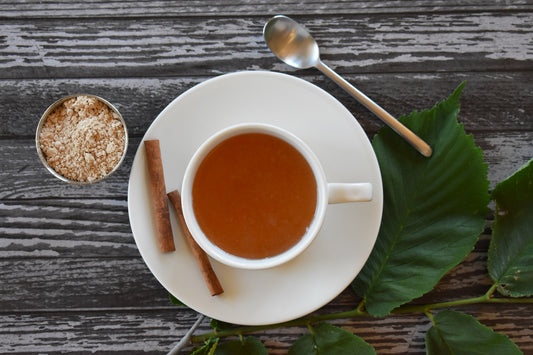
point(423, 308)
point(491, 290)
point(297, 322)
point(358, 312)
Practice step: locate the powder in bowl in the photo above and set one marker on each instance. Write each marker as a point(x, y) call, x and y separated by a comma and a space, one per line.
point(82, 138)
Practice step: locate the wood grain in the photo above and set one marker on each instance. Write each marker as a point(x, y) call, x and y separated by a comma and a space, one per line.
point(123, 331)
point(71, 277)
point(155, 331)
point(38, 283)
point(84, 281)
point(427, 43)
point(506, 106)
point(167, 8)
point(504, 152)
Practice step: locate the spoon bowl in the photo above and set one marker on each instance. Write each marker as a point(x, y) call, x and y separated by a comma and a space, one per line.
point(294, 45)
point(291, 42)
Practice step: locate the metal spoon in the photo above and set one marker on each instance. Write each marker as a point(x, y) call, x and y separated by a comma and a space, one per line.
point(294, 45)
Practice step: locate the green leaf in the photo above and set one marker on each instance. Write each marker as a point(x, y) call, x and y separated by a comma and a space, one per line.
point(326, 339)
point(434, 208)
point(219, 325)
point(510, 261)
point(249, 346)
point(458, 333)
point(175, 301)
point(204, 350)
point(208, 348)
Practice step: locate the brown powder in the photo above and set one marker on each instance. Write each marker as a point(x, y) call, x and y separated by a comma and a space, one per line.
point(83, 139)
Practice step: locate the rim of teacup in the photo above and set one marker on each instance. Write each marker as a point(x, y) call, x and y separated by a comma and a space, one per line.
point(236, 261)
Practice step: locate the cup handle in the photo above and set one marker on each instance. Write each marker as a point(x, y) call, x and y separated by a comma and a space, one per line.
point(350, 192)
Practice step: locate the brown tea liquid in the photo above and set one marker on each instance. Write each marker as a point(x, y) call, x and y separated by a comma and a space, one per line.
point(254, 195)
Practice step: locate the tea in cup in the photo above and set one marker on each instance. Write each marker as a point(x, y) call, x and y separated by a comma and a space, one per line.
point(254, 196)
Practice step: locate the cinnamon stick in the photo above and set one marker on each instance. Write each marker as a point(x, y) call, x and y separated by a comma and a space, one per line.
point(158, 190)
point(201, 257)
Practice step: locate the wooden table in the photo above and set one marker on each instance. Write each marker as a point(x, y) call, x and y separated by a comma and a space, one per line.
point(71, 277)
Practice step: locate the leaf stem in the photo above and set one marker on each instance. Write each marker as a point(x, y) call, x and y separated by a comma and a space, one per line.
point(430, 316)
point(491, 290)
point(359, 312)
point(424, 308)
point(297, 322)
point(486, 298)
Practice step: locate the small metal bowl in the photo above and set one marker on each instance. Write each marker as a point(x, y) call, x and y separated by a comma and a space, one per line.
point(42, 122)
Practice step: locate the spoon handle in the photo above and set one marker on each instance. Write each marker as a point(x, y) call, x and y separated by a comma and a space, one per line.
point(396, 125)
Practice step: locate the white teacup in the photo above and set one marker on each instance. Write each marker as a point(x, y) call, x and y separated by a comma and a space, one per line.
point(326, 193)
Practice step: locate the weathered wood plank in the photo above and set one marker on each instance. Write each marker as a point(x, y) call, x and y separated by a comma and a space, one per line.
point(69, 228)
point(25, 178)
point(43, 281)
point(140, 100)
point(105, 331)
point(102, 8)
point(79, 282)
point(71, 278)
point(156, 331)
point(505, 154)
point(202, 46)
point(507, 108)
point(384, 334)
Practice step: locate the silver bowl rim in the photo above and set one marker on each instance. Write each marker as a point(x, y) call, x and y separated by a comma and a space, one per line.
point(40, 126)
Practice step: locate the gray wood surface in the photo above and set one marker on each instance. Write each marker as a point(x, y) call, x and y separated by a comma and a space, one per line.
point(71, 277)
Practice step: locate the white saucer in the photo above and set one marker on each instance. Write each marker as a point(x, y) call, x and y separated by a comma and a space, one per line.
point(326, 268)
